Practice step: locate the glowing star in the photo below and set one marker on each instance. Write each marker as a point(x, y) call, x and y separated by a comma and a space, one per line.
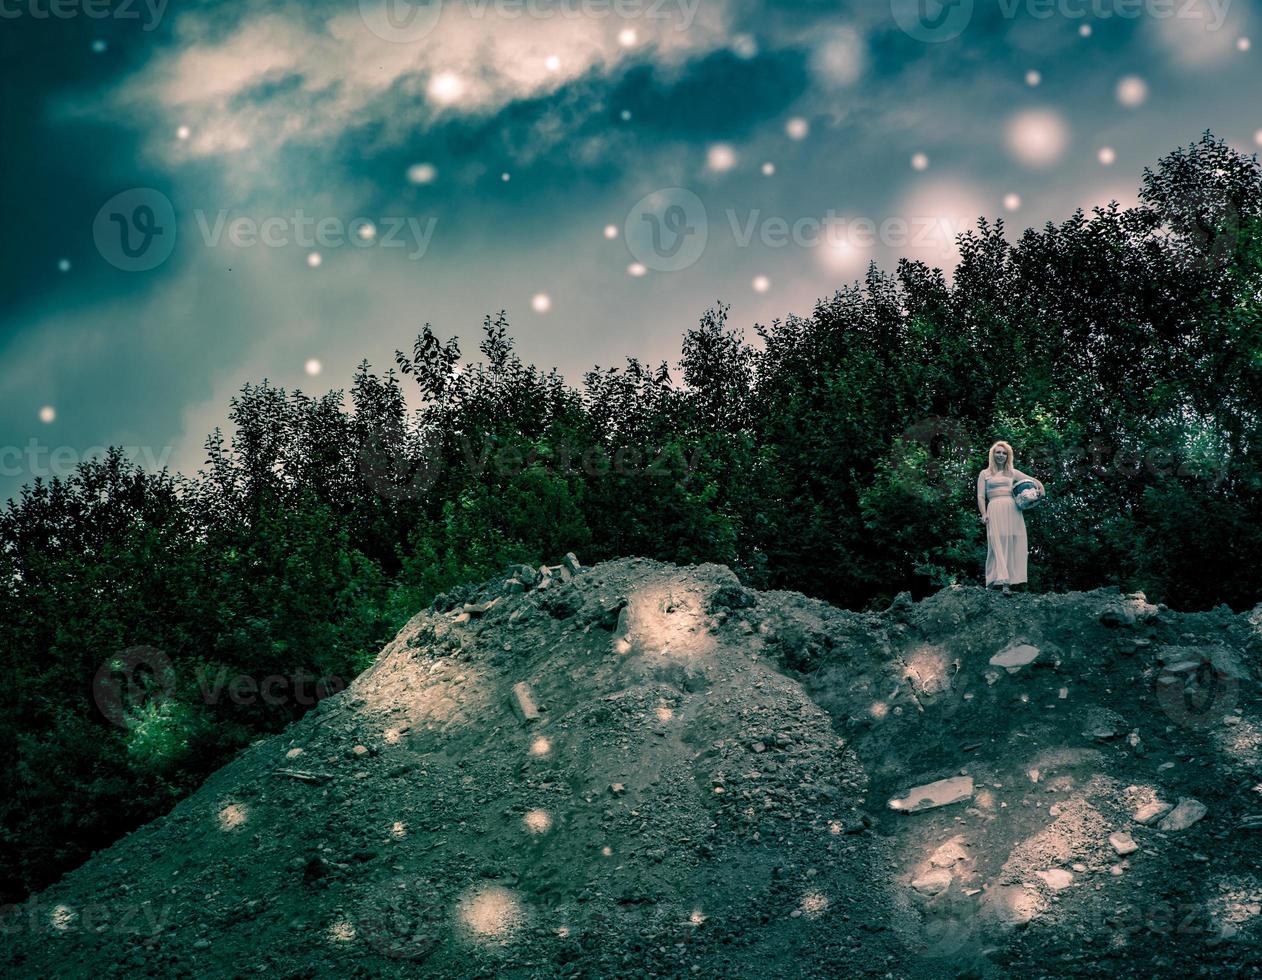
point(183, 132)
point(537, 821)
point(506, 176)
point(768, 169)
point(541, 302)
point(1012, 202)
point(446, 87)
point(1085, 30)
point(540, 746)
point(1033, 78)
point(553, 63)
point(761, 284)
point(48, 415)
point(313, 367)
point(637, 270)
point(797, 128)
point(840, 254)
point(1243, 44)
point(232, 816)
point(1037, 137)
point(1107, 156)
point(920, 161)
point(744, 46)
point(490, 914)
point(63, 265)
point(1132, 91)
point(422, 173)
point(99, 46)
point(720, 158)
point(627, 37)
point(314, 259)
point(611, 232)
point(625, 115)
point(367, 231)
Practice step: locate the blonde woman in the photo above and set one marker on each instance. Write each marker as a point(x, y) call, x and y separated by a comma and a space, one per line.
point(1006, 545)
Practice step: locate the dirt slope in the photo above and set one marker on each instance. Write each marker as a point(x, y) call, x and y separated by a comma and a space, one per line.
point(706, 791)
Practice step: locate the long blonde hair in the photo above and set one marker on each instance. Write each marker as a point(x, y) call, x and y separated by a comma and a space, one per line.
point(1007, 470)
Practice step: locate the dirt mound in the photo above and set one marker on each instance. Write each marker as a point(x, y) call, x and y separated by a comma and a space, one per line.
point(637, 769)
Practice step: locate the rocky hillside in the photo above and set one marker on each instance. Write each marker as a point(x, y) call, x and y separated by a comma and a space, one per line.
point(642, 770)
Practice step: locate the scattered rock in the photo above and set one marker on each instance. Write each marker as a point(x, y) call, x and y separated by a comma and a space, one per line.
point(1056, 878)
point(1123, 843)
point(933, 882)
point(1187, 812)
point(948, 854)
point(523, 703)
point(943, 792)
point(1012, 658)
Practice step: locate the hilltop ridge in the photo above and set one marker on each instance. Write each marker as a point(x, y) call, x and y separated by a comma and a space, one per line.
point(640, 769)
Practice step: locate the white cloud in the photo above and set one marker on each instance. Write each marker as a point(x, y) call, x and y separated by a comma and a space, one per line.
point(280, 78)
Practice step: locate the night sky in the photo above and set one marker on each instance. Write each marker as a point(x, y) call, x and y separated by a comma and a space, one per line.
point(198, 195)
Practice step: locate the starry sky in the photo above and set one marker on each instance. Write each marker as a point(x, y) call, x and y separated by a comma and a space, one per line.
point(201, 194)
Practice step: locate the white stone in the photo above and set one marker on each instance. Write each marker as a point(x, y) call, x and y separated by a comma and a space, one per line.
point(524, 703)
point(1184, 815)
point(948, 854)
point(1014, 657)
point(933, 882)
point(1123, 843)
point(1056, 878)
point(936, 794)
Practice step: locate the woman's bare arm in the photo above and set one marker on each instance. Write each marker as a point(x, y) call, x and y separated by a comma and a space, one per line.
point(981, 493)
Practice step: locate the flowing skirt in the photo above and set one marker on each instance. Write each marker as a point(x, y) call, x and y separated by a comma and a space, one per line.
point(1005, 543)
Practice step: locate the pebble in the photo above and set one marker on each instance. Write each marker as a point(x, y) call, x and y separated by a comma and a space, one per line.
point(1188, 812)
point(1123, 843)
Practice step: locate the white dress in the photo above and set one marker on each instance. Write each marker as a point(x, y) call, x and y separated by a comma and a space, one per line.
point(1006, 545)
